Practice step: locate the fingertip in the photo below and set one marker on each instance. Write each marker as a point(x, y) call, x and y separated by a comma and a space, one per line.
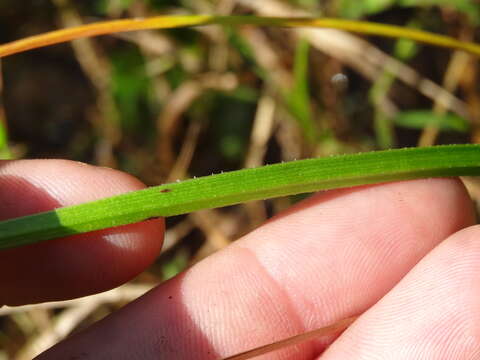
point(433, 313)
point(77, 265)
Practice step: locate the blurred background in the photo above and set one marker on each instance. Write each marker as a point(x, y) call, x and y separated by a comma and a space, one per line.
point(168, 105)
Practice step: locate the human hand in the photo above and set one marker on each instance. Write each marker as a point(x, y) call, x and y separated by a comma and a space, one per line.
point(330, 257)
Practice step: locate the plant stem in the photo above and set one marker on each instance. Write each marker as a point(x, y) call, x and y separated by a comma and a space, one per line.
point(295, 340)
point(168, 22)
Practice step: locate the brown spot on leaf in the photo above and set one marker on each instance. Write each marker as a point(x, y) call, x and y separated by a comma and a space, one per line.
point(165, 190)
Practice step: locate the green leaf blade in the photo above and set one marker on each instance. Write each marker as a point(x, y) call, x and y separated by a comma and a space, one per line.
point(419, 119)
point(235, 187)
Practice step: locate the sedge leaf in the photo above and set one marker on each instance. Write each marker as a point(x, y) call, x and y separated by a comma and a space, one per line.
point(243, 185)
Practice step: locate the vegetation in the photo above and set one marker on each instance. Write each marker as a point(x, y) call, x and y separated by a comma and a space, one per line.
point(175, 104)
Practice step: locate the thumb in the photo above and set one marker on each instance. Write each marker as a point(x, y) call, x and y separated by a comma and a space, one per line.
point(77, 265)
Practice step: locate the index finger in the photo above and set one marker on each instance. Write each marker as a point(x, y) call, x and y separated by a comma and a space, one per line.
point(328, 258)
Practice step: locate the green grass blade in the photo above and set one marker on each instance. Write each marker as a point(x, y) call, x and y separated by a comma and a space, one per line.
point(244, 185)
point(298, 98)
point(5, 153)
point(419, 119)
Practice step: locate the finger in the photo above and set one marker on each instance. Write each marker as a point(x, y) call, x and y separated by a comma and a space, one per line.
point(77, 265)
point(433, 313)
point(328, 258)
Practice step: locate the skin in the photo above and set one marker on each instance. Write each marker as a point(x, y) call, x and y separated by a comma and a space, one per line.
point(404, 255)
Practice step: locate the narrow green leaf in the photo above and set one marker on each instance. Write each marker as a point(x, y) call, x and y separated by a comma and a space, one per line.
point(356, 9)
point(4, 149)
point(298, 98)
point(404, 50)
point(419, 119)
point(130, 86)
point(468, 7)
point(176, 265)
point(244, 185)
